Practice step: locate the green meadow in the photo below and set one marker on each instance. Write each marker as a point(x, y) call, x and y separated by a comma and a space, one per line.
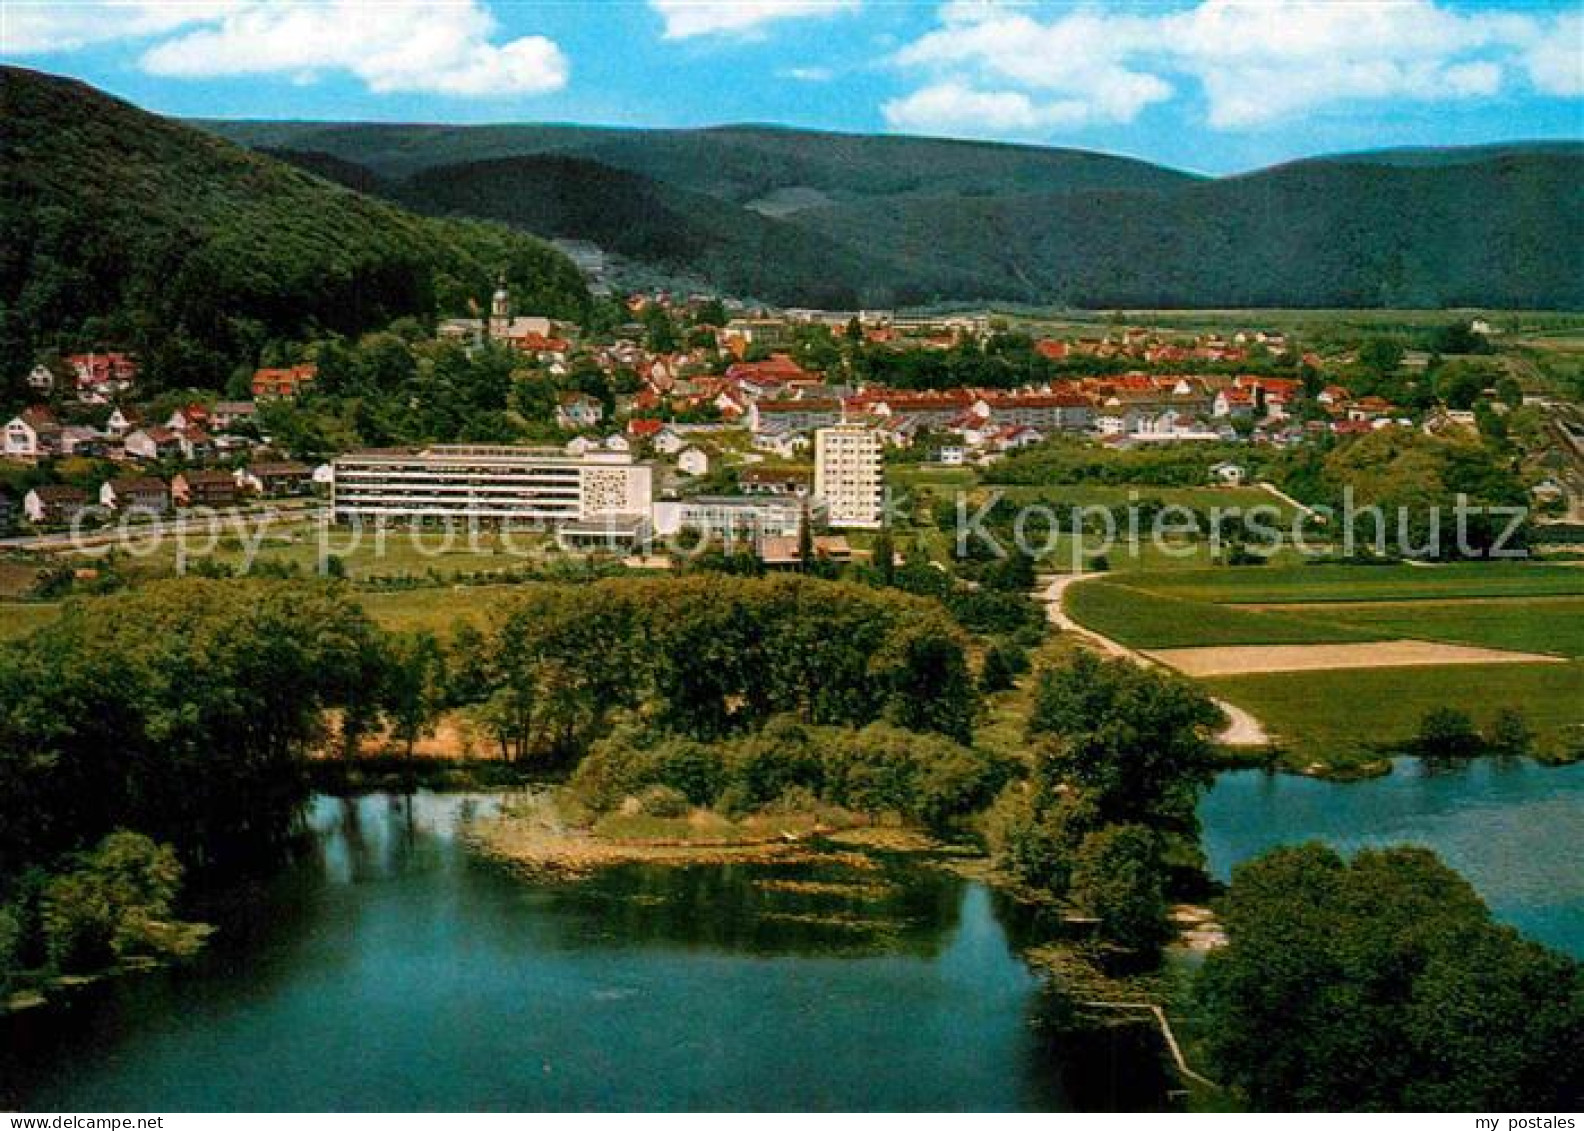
point(1142, 619)
point(1553, 625)
point(1340, 718)
point(1309, 584)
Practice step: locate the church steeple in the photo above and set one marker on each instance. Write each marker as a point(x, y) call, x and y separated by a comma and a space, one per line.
point(500, 310)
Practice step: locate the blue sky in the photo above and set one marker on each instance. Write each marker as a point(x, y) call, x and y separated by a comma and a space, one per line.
point(1213, 85)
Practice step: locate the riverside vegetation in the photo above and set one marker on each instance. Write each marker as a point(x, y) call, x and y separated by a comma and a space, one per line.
point(186, 711)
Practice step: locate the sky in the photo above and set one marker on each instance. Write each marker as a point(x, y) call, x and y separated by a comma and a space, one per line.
point(1214, 86)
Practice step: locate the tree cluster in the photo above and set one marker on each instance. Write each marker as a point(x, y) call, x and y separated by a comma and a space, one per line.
point(1382, 984)
point(707, 656)
point(1108, 821)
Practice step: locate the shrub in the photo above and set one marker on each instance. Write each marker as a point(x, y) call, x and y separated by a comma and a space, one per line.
point(1446, 732)
point(663, 801)
point(1509, 733)
point(79, 923)
point(765, 765)
point(115, 901)
point(10, 948)
point(1036, 841)
point(1004, 661)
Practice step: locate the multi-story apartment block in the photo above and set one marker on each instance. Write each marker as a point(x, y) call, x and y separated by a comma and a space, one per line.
point(849, 476)
point(520, 486)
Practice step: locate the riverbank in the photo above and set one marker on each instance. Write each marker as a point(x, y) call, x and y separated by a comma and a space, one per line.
point(541, 833)
point(35, 989)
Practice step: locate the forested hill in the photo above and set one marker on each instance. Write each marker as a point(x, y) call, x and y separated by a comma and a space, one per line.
point(904, 220)
point(124, 228)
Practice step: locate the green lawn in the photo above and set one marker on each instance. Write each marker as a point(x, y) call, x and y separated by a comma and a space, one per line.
point(1335, 717)
point(434, 610)
point(1304, 584)
point(1545, 624)
point(1143, 619)
point(1099, 495)
point(403, 552)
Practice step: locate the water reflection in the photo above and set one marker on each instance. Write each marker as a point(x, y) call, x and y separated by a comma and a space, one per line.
point(1512, 827)
point(391, 969)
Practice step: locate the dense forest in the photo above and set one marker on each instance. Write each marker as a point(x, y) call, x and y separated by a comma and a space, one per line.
point(902, 220)
point(125, 229)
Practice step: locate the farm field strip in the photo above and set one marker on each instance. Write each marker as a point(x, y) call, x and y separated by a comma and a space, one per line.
point(1245, 659)
point(1327, 584)
point(1142, 619)
point(1540, 624)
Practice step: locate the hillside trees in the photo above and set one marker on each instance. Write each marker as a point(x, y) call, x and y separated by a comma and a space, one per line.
point(128, 230)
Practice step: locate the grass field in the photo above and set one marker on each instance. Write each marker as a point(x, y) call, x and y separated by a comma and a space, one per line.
point(1142, 619)
point(1544, 624)
point(403, 552)
point(433, 610)
point(1312, 584)
point(1341, 717)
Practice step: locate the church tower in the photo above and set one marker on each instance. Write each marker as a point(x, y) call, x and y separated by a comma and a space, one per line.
point(500, 311)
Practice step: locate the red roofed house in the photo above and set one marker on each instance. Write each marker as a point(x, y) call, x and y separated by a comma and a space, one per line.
point(283, 383)
point(1236, 403)
point(777, 368)
point(103, 373)
point(34, 433)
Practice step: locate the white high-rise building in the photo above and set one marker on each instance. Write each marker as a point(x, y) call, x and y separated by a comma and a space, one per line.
point(849, 475)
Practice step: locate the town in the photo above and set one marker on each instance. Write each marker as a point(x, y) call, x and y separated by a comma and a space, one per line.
point(758, 420)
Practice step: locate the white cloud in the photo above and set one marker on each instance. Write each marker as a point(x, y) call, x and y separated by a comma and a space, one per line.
point(688, 19)
point(955, 109)
point(29, 27)
point(807, 74)
point(390, 45)
point(1256, 62)
point(1556, 61)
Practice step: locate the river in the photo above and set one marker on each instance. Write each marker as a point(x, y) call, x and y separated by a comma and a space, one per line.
point(1515, 829)
point(389, 968)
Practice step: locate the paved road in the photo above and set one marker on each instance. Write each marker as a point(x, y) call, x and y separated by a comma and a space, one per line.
point(1242, 729)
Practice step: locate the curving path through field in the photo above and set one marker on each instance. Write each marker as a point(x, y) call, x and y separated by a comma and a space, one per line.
point(1242, 729)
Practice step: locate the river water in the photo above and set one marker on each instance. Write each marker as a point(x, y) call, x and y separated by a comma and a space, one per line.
point(1515, 829)
point(389, 968)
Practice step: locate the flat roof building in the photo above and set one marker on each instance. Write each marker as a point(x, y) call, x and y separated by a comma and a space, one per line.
point(849, 476)
point(497, 484)
point(734, 518)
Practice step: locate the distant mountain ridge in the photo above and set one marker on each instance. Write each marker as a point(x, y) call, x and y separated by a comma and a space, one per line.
point(876, 220)
point(127, 228)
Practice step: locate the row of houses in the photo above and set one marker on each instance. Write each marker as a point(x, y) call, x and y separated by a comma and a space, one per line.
point(94, 378)
point(192, 432)
point(61, 505)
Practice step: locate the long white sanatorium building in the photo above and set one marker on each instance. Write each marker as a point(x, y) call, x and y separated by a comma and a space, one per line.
point(492, 484)
point(849, 476)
